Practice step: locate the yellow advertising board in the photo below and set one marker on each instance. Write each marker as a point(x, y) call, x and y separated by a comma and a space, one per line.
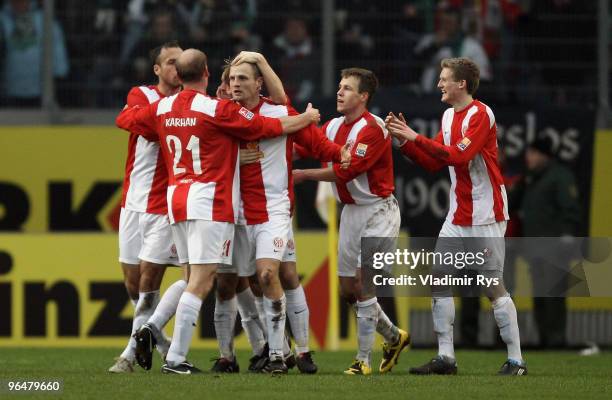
point(61, 178)
point(67, 290)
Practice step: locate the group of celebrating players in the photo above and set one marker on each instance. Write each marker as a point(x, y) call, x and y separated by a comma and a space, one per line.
point(209, 187)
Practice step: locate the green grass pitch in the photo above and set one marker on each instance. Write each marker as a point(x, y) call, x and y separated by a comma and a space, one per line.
point(552, 375)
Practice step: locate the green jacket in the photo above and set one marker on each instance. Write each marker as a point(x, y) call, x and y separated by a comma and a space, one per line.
point(549, 205)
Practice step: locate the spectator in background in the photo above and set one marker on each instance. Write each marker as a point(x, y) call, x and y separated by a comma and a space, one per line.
point(272, 15)
point(162, 29)
point(223, 28)
point(297, 60)
point(408, 23)
point(137, 18)
point(503, 32)
point(105, 22)
point(448, 41)
point(566, 51)
point(549, 208)
point(22, 34)
point(357, 23)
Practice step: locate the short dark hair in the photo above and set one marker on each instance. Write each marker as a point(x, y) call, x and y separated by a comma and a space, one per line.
point(367, 80)
point(156, 52)
point(192, 70)
point(463, 69)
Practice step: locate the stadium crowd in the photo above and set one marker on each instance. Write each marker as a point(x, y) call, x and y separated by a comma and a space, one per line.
point(100, 49)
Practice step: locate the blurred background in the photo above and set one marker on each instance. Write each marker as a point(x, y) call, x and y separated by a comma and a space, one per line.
point(66, 67)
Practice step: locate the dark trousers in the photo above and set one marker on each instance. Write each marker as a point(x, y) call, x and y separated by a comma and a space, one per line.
point(550, 314)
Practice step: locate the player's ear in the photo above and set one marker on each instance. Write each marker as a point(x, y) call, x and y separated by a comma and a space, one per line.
point(156, 69)
point(364, 96)
point(259, 83)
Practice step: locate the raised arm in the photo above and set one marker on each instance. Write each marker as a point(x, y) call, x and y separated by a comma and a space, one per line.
point(274, 86)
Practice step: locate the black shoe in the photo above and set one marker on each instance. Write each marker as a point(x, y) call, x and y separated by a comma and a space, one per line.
point(289, 357)
point(145, 343)
point(225, 365)
point(439, 365)
point(305, 364)
point(259, 361)
point(184, 368)
point(512, 367)
point(275, 367)
point(289, 360)
point(253, 362)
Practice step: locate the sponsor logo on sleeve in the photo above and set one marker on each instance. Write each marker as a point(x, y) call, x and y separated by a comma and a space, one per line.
point(463, 144)
point(246, 113)
point(361, 149)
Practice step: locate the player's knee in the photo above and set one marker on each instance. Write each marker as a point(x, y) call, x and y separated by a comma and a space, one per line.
point(225, 289)
point(242, 285)
point(151, 276)
point(132, 290)
point(289, 277)
point(267, 277)
point(255, 286)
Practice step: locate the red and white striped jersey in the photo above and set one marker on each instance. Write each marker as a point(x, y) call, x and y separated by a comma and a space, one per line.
point(370, 175)
point(146, 180)
point(266, 187)
point(467, 144)
point(199, 137)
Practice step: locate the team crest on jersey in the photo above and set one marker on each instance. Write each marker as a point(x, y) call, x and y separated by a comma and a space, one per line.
point(246, 113)
point(278, 243)
point(463, 144)
point(173, 250)
point(253, 145)
point(361, 149)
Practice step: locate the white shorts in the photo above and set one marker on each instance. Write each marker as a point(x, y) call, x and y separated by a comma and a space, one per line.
point(253, 242)
point(488, 239)
point(204, 242)
point(147, 237)
point(381, 219)
point(270, 238)
point(242, 257)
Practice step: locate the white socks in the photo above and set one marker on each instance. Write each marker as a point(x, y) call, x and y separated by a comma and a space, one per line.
point(505, 316)
point(298, 314)
point(259, 304)
point(275, 320)
point(367, 318)
point(186, 318)
point(144, 308)
point(443, 311)
point(385, 327)
point(251, 323)
point(225, 320)
point(167, 305)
